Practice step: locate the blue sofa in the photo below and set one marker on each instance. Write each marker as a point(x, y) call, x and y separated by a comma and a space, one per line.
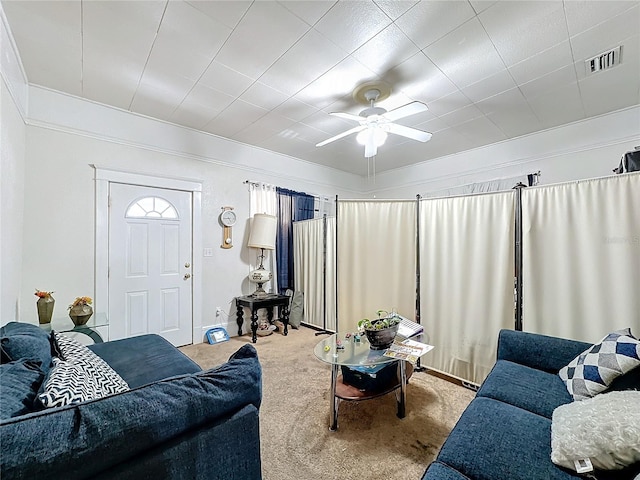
point(176, 421)
point(505, 433)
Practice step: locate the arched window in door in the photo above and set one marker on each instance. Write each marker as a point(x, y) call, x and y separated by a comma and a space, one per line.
point(152, 207)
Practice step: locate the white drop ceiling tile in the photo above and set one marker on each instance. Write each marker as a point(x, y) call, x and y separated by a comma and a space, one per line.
point(308, 59)
point(420, 79)
point(387, 49)
point(465, 55)
point(224, 127)
point(209, 98)
point(606, 35)
point(225, 79)
point(583, 15)
point(254, 134)
point(448, 104)
point(247, 112)
point(308, 11)
point(510, 112)
point(262, 36)
point(154, 103)
point(611, 89)
point(328, 123)
point(263, 96)
point(294, 109)
point(428, 21)
point(187, 27)
point(307, 133)
point(395, 8)
point(433, 125)
point(490, 86)
point(522, 29)
point(169, 57)
point(542, 63)
point(173, 87)
point(277, 123)
point(110, 82)
point(193, 115)
point(562, 76)
point(341, 80)
point(481, 131)
point(351, 24)
point(225, 12)
point(461, 115)
point(481, 5)
point(559, 106)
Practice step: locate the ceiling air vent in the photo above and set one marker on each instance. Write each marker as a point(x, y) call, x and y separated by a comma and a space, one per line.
point(603, 61)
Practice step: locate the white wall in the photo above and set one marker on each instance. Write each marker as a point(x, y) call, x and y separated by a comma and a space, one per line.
point(585, 149)
point(12, 151)
point(67, 135)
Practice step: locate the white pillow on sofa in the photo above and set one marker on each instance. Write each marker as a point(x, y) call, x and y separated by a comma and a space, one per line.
point(604, 429)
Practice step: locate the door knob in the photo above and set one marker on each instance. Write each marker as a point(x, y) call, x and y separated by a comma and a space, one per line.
point(187, 276)
point(187, 265)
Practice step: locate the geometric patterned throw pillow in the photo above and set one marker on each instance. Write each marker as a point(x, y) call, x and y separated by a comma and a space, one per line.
point(593, 370)
point(78, 376)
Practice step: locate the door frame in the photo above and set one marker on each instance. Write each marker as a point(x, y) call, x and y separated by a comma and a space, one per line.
point(105, 176)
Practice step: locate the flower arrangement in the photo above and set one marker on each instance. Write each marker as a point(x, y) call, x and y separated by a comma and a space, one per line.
point(81, 301)
point(42, 294)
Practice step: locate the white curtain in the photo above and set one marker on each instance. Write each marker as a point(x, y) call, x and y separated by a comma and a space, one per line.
point(467, 278)
point(263, 199)
point(376, 261)
point(581, 248)
point(495, 185)
point(308, 246)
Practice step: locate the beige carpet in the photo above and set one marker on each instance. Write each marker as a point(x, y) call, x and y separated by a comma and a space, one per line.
point(370, 443)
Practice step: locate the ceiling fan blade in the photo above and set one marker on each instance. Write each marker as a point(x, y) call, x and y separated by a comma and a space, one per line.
point(359, 128)
point(348, 116)
point(408, 132)
point(406, 110)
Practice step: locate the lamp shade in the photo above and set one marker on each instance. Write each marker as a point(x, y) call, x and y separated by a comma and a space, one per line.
point(263, 231)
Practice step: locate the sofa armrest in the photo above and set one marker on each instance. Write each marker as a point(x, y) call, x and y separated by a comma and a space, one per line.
point(80, 441)
point(538, 351)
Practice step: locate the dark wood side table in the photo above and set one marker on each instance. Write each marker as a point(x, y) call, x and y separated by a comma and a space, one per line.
point(254, 304)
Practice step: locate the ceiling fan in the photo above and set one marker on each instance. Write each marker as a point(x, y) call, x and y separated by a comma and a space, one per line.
point(375, 122)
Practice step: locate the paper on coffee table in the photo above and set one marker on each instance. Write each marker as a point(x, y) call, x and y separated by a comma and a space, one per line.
point(408, 350)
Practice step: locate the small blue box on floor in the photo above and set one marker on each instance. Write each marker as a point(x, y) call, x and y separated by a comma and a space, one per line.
point(217, 335)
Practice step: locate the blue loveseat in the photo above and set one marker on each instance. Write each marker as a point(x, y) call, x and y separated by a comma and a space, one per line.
point(505, 433)
point(176, 422)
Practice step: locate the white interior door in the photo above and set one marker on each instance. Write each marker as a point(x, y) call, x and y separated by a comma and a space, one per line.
point(150, 258)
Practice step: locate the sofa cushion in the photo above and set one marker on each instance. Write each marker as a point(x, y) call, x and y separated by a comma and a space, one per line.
point(605, 429)
point(440, 471)
point(497, 441)
point(534, 390)
point(95, 435)
point(20, 381)
point(28, 341)
point(592, 371)
point(144, 359)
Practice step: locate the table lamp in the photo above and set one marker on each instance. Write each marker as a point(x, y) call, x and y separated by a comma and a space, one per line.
point(262, 236)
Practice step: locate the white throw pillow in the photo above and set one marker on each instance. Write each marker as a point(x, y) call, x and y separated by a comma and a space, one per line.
point(605, 429)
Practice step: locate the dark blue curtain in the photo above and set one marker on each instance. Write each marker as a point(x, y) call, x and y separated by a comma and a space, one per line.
point(292, 207)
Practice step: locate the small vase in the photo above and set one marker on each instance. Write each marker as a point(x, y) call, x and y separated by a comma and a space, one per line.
point(45, 309)
point(80, 314)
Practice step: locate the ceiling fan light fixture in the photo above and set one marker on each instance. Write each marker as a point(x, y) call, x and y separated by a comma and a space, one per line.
point(375, 134)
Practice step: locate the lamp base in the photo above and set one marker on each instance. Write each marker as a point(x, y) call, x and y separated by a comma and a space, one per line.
point(259, 293)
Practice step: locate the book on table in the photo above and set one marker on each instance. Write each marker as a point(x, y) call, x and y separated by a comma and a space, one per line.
point(408, 350)
point(409, 328)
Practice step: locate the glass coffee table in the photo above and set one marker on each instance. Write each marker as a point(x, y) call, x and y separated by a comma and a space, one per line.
point(359, 354)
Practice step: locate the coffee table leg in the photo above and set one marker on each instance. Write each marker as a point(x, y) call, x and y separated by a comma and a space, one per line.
point(402, 401)
point(285, 319)
point(254, 325)
point(334, 400)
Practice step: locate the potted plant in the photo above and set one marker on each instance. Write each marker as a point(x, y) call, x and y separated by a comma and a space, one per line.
point(380, 331)
point(80, 310)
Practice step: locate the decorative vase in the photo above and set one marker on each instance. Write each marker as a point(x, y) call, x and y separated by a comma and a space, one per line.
point(80, 314)
point(383, 338)
point(45, 309)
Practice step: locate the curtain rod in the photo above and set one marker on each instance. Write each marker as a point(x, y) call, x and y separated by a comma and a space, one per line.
point(257, 184)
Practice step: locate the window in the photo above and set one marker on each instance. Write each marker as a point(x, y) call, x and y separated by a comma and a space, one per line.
point(152, 207)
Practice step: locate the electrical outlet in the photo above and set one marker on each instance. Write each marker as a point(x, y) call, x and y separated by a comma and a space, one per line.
point(218, 311)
